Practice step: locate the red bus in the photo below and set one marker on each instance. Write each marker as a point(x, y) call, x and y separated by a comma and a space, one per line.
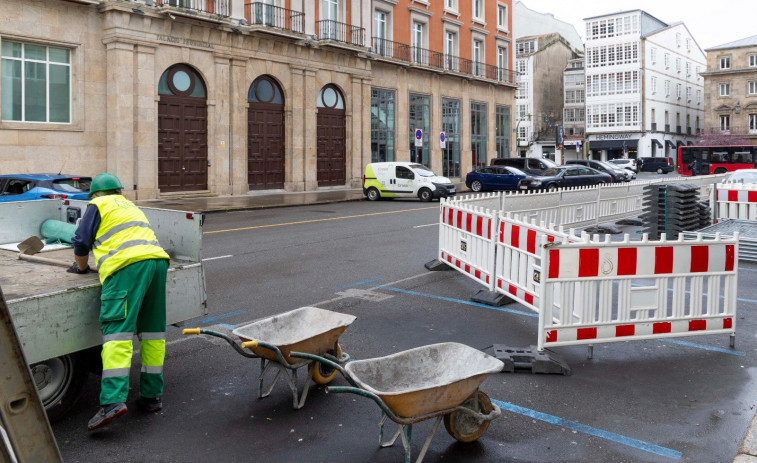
point(716, 159)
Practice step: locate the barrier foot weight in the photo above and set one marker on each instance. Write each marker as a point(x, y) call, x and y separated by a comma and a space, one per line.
point(531, 360)
point(733, 341)
point(437, 266)
point(590, 353)
point(603, 229)
point(630, 221)
point(491, 298)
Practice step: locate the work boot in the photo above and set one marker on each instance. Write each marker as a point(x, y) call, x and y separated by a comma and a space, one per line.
point(106, 414)
point(150, 404)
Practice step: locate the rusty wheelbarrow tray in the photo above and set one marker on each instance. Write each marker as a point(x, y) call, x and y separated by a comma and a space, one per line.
point(435, 381)
point(308, 329)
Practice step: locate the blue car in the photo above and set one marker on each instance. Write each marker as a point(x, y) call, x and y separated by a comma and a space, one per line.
point(495, 178)
point(28, 187)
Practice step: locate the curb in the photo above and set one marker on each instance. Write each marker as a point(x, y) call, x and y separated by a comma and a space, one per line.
point(748, 449)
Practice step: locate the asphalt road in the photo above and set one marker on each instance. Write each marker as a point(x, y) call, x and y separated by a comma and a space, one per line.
point(685, 400)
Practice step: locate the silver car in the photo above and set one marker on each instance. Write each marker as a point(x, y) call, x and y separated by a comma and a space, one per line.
point(625, 163)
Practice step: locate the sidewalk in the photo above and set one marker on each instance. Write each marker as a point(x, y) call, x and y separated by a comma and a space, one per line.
point(258, 200)
point(748, 449)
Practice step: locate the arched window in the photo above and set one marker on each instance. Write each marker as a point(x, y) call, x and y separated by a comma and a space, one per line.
point(181, 80)
point(265, 90)
point(330, 97)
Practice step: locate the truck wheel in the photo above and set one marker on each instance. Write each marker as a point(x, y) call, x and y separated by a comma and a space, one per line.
point(372, 194)
point(476, 186)
point(60, 383)
point(425, 195)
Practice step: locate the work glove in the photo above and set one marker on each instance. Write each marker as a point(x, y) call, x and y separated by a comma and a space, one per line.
point(75, 269)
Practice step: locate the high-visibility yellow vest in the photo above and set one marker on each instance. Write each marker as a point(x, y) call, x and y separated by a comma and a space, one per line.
point(124, 236)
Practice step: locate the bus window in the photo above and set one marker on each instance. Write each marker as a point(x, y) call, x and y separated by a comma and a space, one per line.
point(719, 157)
point(740, 156)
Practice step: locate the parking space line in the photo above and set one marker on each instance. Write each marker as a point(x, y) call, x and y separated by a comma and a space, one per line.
point(459, 301)
point(221, 317)
point(429, 225)
point(359, 283)
point(216, 258)
point(702, 346)
point(592, 431)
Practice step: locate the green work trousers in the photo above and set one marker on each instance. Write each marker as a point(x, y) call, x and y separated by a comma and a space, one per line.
point(133, 300)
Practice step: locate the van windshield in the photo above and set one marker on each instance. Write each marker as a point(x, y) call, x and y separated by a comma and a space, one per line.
point(422, 170)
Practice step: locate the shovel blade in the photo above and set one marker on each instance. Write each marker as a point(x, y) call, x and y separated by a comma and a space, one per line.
point(31, 245)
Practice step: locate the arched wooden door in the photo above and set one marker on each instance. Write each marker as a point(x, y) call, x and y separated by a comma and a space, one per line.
point(182, 131)
point(265, 135)
point(332, 134)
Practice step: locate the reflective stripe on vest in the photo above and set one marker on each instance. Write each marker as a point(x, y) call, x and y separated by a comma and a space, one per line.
point(124, 236)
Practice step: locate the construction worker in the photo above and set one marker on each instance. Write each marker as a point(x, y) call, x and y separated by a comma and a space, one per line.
point(133, 269)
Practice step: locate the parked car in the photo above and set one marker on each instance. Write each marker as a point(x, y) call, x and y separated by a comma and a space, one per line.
point(404, 180)
point(742, 176)
point(626, 163)
point(566, 176)
point(494, 178)
point(661, 165)
point(531, 166)
point(27, 187)
point(618, 174)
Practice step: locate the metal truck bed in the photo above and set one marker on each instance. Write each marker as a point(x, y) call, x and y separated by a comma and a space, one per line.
point(56, 313)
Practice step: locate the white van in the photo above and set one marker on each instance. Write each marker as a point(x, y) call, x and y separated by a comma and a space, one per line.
point(404, 180)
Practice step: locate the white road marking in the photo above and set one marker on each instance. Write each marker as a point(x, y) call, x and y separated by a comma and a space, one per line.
point(216, 258)
point(429, 225)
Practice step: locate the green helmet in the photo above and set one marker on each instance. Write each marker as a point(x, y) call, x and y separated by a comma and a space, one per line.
point(104, 182)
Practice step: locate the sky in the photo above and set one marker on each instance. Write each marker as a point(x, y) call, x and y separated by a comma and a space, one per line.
point(711, 23)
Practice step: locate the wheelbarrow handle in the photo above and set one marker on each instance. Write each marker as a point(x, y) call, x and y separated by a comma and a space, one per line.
point(231, 342)
point(328, 362)
point(370, 395)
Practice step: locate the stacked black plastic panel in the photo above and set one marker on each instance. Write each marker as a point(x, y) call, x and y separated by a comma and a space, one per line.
point(671, 209)
point(705, 214)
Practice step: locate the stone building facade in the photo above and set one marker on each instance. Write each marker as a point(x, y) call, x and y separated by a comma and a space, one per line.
point(218, 97)
point(730, 84)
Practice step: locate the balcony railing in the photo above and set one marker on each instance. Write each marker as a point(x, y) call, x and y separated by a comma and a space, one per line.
point(340, 32)
point(259, 13)
point(403, 52)
point(218, 7)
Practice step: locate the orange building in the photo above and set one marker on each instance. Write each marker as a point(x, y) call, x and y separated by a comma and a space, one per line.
point(182, 97)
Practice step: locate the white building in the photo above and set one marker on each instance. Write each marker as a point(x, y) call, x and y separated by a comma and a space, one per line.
point(643, 89)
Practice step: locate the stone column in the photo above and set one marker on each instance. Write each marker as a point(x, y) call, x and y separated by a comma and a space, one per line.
point(360, 108)
point(219, 138)
point(491, 124)
point(295, 159)
point(402, 118)
point(436, 125)
point(366, 153)
point(238, 138)
point(310, 134)
point(146, 124)
point(466, 162)
point(120, 114)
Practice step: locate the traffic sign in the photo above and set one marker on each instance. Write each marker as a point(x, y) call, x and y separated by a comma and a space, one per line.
point(419, 138)
point(442, 140)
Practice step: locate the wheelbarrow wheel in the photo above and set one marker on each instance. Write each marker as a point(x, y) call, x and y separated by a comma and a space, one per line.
point(323, 374)
point(465, 427)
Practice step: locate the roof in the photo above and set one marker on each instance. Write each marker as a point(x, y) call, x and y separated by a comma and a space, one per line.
point(43, 176)
point(747, 42)
point(623, 12)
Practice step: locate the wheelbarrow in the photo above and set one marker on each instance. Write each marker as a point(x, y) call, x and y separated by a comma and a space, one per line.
point(437, 381)
point(308, 329)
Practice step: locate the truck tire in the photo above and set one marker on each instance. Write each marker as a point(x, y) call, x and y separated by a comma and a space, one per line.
point(425, 195)
point(372, 194)
point(60, 383)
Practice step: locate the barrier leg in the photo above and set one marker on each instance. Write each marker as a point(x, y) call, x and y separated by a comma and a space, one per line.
point(733, 340)
point(590, 354)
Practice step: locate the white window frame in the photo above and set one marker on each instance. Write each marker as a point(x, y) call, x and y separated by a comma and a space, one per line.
point(752, 87)
point(678, 91)
point(667, 60)
point(502, 17)
point(654, 85)
point(678, 39)
point(688, 69)
point(502, 61)
point(725, 123)
point(653, 55)
point(47, 63)
point(724, 89)
point(451, 6)
point(752, 60)
point(678, 65)
point(479, 5)
point(667, 88)
point(325, 8)
point(724, 62)
point(753, 123)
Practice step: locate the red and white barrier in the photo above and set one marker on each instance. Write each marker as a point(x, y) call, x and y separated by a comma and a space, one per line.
point(594, 292)
point(734, 201)
point(466, 240)
point(518, 258)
